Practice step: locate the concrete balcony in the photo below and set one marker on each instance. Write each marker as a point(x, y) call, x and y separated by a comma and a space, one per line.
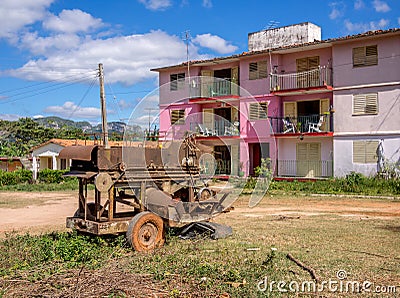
point(307, 82)
point(312, 124)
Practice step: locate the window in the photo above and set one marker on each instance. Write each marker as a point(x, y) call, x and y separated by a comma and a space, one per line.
point(177, 81)
point(365, 56)
point(258, 70)
point(365, 104)
point(258, 111)
point(177, 117)
point(365, 151)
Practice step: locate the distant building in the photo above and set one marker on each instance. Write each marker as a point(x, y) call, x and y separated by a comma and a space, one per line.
point(45, 156)
point(316, 108)
point(10, 164)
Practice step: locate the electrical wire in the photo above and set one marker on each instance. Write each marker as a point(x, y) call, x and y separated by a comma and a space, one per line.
point(83, 97)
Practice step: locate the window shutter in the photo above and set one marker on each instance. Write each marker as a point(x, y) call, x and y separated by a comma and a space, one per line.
point(253, 71)
point(262, 69)
point(313, 62)
point(301, 64)
point(365, 151)
point(371, 55)
point(177, 117)
point(358, 152)
point(365, 104)
point(365, 56)
point(258, 111)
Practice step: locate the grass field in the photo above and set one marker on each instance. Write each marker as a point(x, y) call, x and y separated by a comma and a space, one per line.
point(356, 238)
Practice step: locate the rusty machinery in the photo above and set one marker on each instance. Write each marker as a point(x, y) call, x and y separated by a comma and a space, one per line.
point(141, 190)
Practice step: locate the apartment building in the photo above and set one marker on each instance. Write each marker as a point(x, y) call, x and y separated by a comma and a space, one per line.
point(316, 108)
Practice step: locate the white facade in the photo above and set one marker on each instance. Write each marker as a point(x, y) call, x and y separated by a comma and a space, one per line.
point(46, 157)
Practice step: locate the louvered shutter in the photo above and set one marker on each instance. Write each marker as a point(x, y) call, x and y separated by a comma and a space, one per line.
point(365, 104)
point(177, 117)
point(371, 55)
point(262, 69)
point(370, 151)
point(253, 71)
point(258, 111)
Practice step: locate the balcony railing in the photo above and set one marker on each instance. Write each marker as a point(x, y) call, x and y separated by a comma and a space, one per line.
point(219, 128)
point(318, 77)
point(212, 87)
point(305, 168)
point(317, 123)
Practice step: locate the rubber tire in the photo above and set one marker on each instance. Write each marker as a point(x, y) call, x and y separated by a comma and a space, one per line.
point(143, 224)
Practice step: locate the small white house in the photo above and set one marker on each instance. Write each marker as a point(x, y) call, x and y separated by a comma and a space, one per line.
point(45, 156)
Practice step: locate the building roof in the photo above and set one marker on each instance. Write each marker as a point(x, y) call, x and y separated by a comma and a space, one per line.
point(76, 142)
point(319, 43)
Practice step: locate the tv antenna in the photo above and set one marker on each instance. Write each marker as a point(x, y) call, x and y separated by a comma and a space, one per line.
point(186, 38)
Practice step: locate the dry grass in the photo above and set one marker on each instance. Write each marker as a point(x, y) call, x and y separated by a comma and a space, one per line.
point(360, 236)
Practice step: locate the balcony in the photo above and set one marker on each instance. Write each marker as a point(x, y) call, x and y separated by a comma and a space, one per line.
point(206, 87)
point(219, 128)
point(322, 123)
point(312, 81)
point(305, 168)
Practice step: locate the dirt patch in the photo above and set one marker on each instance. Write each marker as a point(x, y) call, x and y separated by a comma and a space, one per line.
point(37, 212)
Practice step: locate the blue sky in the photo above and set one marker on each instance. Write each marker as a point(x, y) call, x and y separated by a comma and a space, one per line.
point(50, 49)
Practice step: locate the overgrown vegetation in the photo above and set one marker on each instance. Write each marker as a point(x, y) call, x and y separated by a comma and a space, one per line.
point(48, 180)
point(54, 264)
point(353, 183)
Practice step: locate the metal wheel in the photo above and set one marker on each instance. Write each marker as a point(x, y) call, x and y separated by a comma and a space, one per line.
point(145, 231)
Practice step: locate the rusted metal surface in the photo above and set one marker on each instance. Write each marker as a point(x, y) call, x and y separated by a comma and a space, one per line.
point(162, 179)
point(98, 228)
point(78, 152)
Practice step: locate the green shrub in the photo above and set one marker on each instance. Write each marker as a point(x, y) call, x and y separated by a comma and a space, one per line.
point(16, 177)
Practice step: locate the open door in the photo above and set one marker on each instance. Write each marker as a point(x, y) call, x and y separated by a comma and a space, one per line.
point(235, 81)
point(324, 110)
point(206, 83)
point(208, 119)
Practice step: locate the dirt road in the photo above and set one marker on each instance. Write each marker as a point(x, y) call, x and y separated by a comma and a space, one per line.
point(37, 212)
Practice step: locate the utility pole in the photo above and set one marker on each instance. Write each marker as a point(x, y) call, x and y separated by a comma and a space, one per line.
point(104, 126)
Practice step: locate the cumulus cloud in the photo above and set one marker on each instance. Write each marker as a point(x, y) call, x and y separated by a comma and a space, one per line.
point(126, 59)
point(156, 4)
point(359, 4)
point(70, 109)
point(207, 3)
point(337, 10)
point(16, 14)
point(214, 43)
point(380, 6)
point(363, 27)
point(72, 21)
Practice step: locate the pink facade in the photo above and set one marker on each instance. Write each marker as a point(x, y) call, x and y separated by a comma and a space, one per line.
point(294, 105)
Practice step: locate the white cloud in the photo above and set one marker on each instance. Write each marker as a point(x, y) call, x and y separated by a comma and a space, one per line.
point(359, 4)
point(215, 43)
point(363, 27)
point(9, 117)
point(398, 21)
point(156, 4)
point(126, 59)
point(125, 105)
point(71, 110)
point(337, 10)
point(38, 45)
point(16, 14)
point(380, 6)
point(207, 3)
point(72, 21)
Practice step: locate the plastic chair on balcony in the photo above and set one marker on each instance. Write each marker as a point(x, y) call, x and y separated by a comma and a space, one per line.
point(288, 126)
point(204, 131)
point(316, 127)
